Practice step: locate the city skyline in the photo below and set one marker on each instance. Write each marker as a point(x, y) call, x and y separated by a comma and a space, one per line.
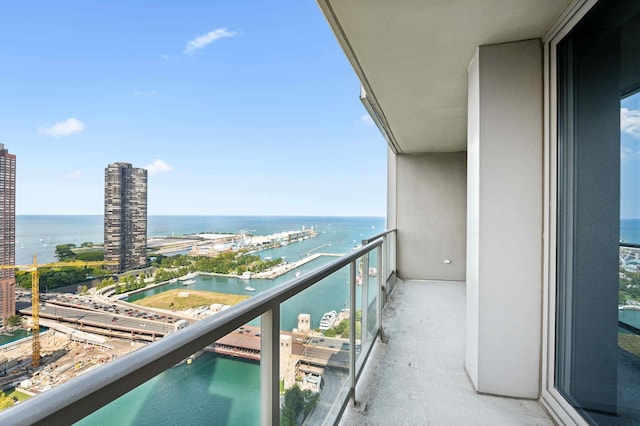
point(233, 109)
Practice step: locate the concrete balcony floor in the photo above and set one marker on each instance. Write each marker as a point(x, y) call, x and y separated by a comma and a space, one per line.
point(418, 376)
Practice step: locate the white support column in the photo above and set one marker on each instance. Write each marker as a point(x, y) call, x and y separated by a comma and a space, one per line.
point(504, 219)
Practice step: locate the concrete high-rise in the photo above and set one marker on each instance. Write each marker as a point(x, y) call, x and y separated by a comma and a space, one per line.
point(125, 217)
point(7, 233)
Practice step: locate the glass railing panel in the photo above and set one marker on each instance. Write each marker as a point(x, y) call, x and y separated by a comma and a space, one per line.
point(629, 331)
point(316, 323)
point(390, 261)
point(224, 384)
point(218, 385)
point(628, 366)
point(367, 306)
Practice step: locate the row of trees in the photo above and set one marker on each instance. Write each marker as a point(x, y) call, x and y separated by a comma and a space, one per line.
point(166, 275)
point(51, 278)
point(65, 252)
point(129, 283)
point(234, 263)
point(225, 263)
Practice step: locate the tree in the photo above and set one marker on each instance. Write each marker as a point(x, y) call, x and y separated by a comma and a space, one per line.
point(14, 320)
point(297, 402)
point(5, 401)
point(63, 251)
point(293, 406)
point(330, 332)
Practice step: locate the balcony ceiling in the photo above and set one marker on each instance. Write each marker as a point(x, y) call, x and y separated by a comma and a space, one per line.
point(412, 56)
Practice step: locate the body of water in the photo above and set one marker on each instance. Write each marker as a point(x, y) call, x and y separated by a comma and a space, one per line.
point(40, 234)
point(630, 230)
point(213, 390)
point(216, 390)
point(17, 335)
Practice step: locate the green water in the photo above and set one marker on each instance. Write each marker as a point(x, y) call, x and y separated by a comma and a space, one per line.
point(216, 390)
point(212, 391)
point(17, 335)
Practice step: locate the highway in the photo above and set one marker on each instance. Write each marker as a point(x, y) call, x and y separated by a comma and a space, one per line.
point(101, 319)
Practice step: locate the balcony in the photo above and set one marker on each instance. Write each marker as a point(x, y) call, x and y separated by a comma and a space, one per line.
point(418, 375)
point(412, 368)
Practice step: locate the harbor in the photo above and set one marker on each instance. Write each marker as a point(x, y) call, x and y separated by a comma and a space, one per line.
point(229, 382)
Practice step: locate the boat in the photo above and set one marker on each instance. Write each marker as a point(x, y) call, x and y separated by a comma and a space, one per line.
point(249, 289)
point(188, 282)
point(298, 274)
point(246, 275)
point(187, 277)
point(327, 320)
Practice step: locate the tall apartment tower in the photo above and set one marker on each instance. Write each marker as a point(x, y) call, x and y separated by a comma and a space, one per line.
point(7, 233)
point(125, 217)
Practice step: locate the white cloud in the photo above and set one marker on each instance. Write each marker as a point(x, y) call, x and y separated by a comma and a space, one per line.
point(205, 39)
point(366, 119)
point(74, 175)
point(158, 166)
point(630, 122)
point(63, 128)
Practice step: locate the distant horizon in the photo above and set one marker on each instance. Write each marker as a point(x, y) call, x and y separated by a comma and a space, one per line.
point(213, 215)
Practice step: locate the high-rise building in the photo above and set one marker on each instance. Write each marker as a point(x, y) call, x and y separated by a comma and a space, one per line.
point(125, 217)
point(7, 233)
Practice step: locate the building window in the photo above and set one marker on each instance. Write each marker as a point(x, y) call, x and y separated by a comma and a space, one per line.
point(597, 359)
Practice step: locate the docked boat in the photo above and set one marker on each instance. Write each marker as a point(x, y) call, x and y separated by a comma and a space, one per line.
point(188, 276)
point(188, 282)
point(249, 289)
point(328, 319)
point(245, 275)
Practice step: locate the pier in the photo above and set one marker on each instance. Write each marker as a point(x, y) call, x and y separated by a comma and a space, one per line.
point(279, 270)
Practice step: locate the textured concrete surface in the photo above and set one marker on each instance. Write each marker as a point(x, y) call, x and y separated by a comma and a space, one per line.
point(418, 376)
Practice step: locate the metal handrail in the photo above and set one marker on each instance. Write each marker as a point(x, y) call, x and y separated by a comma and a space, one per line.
point(630, 245)
point(380, 235)
point(629, 327)
point(74, 400)
point(622, 324)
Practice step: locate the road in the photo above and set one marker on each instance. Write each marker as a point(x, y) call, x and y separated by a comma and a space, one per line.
point(102, 319)
point(334, 381)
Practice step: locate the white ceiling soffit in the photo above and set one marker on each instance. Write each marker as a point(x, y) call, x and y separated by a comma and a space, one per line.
point(412, 56)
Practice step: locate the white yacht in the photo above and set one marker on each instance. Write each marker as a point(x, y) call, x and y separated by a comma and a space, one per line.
point(327, 320)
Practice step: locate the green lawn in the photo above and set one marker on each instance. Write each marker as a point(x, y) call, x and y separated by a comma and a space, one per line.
point(171, 299)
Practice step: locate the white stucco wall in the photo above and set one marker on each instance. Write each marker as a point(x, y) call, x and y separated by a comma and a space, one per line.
point(504, 219)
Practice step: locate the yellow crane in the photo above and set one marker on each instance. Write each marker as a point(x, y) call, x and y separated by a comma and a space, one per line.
point(35, 294)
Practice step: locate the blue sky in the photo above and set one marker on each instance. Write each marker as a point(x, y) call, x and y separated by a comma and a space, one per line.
point(235, 107)
point(630, 157)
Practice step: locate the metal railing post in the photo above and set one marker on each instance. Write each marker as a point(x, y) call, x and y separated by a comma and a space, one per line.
point(364, 295)
point(384, 266)
point(270, 367)
point(381, 280)
point(352, 335)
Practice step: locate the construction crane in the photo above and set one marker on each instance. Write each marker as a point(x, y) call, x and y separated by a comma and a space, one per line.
point(35, 294)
